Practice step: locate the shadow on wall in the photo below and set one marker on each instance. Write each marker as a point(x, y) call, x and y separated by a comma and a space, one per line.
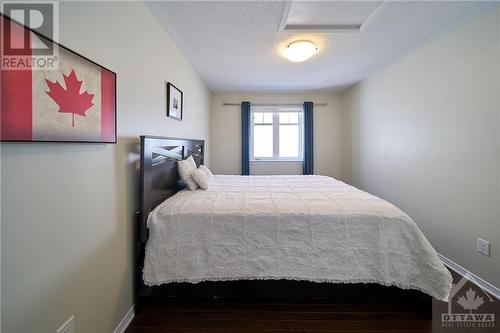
point(127, 154)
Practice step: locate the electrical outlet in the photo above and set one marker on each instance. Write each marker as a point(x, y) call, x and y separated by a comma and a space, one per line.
point(68, 326)
point(483, 247)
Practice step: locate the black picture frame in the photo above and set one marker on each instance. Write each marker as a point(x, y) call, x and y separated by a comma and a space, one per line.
point(113, 140)
point(175, 102)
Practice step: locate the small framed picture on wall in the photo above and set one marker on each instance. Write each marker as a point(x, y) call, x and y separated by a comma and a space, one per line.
point(175, 102)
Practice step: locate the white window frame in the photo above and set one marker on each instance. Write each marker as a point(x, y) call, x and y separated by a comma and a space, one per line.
point(276, 124)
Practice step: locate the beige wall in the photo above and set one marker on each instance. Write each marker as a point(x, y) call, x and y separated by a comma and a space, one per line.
point(68, 209)
point(424, 133)
point(225, 135)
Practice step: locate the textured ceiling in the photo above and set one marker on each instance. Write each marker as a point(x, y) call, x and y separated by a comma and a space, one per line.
point(235, 45)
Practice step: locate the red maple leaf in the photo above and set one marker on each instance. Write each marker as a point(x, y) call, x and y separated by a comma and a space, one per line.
point(70, 100)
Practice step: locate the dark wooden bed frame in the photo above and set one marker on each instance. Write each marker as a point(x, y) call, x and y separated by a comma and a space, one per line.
point(160, 180)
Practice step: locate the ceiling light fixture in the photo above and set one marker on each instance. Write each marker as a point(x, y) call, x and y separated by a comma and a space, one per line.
point(300, 50)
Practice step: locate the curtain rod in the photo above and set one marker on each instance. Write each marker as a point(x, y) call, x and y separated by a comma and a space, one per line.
point(273, 104)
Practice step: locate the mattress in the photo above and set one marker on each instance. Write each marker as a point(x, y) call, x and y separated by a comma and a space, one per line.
point(312, 228)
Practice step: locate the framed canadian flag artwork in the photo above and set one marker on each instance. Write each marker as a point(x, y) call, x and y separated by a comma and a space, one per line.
point(52, 98)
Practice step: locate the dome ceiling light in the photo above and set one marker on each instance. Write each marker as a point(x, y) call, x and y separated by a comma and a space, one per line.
point(300, 50)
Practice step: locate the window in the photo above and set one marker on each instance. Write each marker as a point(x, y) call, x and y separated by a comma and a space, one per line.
point(276, 134)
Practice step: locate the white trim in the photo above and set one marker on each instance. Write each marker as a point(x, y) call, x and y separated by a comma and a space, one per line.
point(374, 15)
point(276, 126)
point(126, 320)
point(264, 161)
point(284, 15)
point(327, 28)
point(321, 28)
point(68, 326)
point(471, 276)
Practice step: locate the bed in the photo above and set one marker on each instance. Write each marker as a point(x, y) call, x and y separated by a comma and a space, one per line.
point(304, 228)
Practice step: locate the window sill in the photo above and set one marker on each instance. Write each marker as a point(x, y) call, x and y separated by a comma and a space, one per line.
point(277, 161)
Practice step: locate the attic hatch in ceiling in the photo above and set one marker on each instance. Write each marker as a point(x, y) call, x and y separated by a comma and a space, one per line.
point(329, 16)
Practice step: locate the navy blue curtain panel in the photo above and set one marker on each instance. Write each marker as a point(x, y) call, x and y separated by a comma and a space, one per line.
point(308, 139)
point(245, 138)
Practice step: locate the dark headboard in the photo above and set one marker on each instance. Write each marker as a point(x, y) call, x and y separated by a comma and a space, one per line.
point(159, 176)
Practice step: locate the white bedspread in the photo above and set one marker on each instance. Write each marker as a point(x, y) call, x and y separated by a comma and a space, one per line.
point(311, 228)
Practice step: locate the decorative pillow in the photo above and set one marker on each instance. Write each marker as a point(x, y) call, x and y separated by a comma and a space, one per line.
point(186, 169)
point(203, 177)
point(206, 170)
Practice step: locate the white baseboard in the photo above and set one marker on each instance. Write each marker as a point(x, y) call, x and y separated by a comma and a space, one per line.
point(126, 320)
point(486, 286)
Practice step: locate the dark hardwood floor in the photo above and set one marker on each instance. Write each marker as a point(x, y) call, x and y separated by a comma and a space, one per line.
point(370, 315)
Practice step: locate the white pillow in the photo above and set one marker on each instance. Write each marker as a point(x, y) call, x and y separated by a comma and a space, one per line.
point(203, 177)
point(209, 173)
point(186, 169)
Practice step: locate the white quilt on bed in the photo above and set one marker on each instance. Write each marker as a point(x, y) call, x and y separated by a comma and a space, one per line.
point(311, 228)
